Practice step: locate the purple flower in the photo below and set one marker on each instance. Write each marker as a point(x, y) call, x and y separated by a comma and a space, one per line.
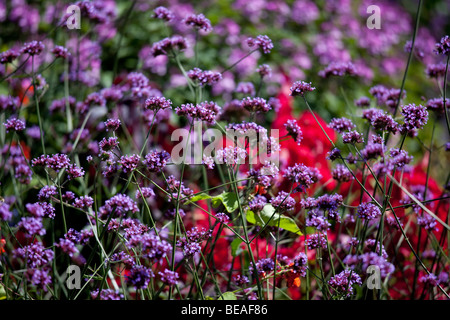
point(47, 192)
point(120, 204)
point(112, 124)
point(294, 130)
point(299, 88)
point(55, 161)
point(107, 294)
point(283, 202)
point(368, 211)
point(341, 124)
point(302, 174)
point(362, 102)
point(33, 48)
point(31, 226)
point(443, 46)
point(199, 22)
point(437, 105)
point(399, 158)
point(5, 214)
point(14, 124)
point(169, 277)
point(352, 137)
point(8, 56)
point(338, 69)
point(300, 264)
point(262, 42)
point(204, 77)
point(317, 240)
point(163, 13)
point(231, 155)
point(129, 163)
point(341, 173)
point(373, 151)
point(257, 203)
point(139, 276)
point(156, 160)
point(415, 117)
point(255, 104)
point(208, 162)
point(264, 70)
point(222, 217)
point(67, 247)
point(166, 45)
point(73, 171)
point(145, 192)
point(435, 70)
point(343, 282)
point(83, 202)
point(108, 144)
point(246, 88)
point(334, 154)
point(427, 222)
point(205, 111)
point(9, 103)
point(382, 121)
point(157, 103)
point(430, 279)
point(36, 254)
point(39, 278)
point(60, 52)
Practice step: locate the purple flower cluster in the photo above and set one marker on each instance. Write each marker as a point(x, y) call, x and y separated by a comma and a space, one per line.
point(317, 240)
point(303, 175)
point(204, 77)
point(415, 117)
point(283, 202)
point(158, 103)
point(205, 111)
point(167, 45)
point(155, 161)
point(119, 204)
point(14, 124)
point(368, 211)
point(262, 42)
point(343, 282)
point(256, 104)
point(338, 69)
point(163, 13)
point(55, 161)
point(341, 173)
point(341, 124)
point(294, 130)
point(199, 22)
point(299, 88)
point(443, 46)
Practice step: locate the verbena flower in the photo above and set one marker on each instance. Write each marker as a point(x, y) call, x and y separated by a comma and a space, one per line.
point(205, 111)
point(262, 42)
point(299, 88)
point(33, 48)
point(163, 13)
point(199, 22)
point(338, 69)
point(14, 124)
point(158, 103)
point(368, 211)
point(294, 130)
point(166, 45)
point(352, 137)
point(341, 173)
point(255, 104)
point(342, 283)
point(305, 176)
point(155, 161)
point(443, 46)
point(204, 77)
point(139, 276)
point(169, 277)
point(112, 124)
point(317, 240)
point(341, 124)
point(8, 56)
point(415, 117)
point(283, 202)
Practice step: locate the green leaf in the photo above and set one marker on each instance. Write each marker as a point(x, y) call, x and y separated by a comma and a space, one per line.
point(228, 199)
point(236, 247)
point(200, 196)
point(2, 292)
point(268, 216)
point(228, 296)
